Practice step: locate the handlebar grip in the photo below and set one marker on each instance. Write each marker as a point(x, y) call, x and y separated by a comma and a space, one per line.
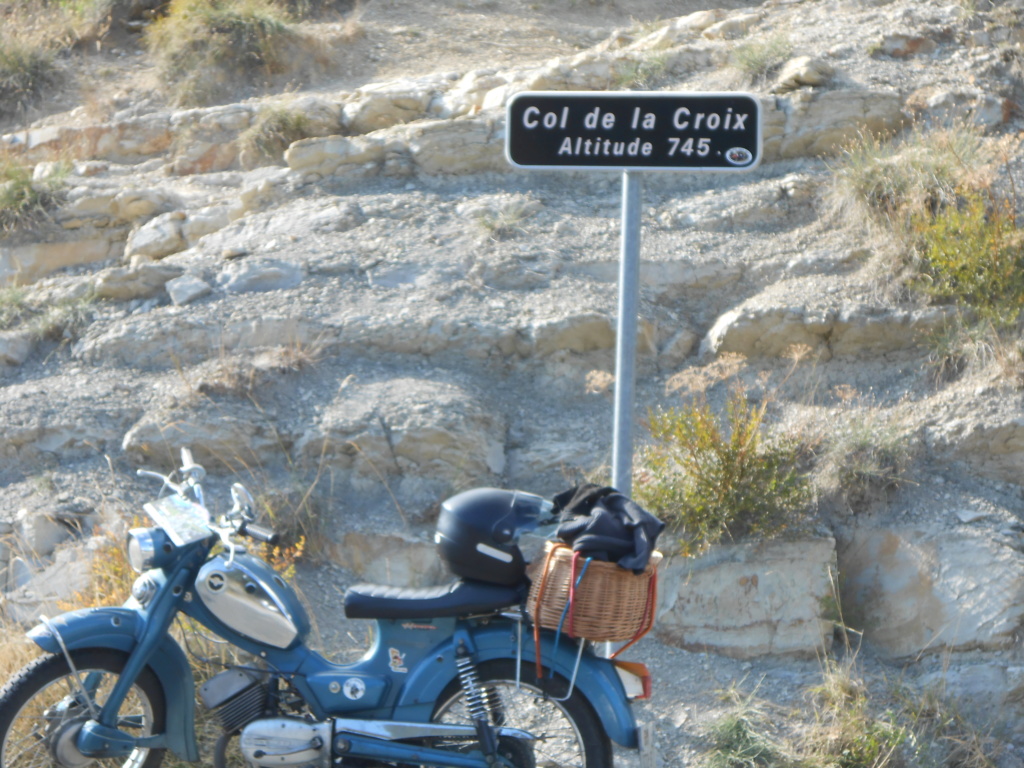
point(258, 532)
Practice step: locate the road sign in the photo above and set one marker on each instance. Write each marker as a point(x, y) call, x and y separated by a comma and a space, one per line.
point(639, 130)
point(632, 131)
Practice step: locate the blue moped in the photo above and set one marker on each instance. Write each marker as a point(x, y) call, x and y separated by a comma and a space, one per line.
point(448, 680)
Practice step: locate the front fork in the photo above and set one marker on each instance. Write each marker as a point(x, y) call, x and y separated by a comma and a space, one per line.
point(100, 737)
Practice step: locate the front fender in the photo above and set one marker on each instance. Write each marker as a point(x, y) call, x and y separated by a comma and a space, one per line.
point(120, 629)
point(597, 679)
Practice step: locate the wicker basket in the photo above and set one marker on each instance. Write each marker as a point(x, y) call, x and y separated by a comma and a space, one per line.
point(610, 604)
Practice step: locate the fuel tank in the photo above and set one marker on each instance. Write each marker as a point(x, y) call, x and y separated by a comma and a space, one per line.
point(252, 599)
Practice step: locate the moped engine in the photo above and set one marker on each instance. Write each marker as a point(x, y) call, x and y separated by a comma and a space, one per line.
point(236, 697)
point(286, 741)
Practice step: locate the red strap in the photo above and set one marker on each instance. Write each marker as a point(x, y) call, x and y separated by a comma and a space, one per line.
point(542, 587)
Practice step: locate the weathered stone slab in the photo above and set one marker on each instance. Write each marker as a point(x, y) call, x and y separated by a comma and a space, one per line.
point(141, 282)
point(27, 263)
point(767, 331)
point(816, 123)
point(916, 589)
point(748, 600)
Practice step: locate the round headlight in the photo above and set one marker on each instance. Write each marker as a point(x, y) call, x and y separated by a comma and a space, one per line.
point(141, 549)
point(148, 548)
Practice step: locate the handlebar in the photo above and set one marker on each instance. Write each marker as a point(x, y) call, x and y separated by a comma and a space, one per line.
point(258, 532)
point(239, 520)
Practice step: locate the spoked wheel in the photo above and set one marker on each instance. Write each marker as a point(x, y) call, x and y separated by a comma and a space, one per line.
point(42, 710)
point(568, 733)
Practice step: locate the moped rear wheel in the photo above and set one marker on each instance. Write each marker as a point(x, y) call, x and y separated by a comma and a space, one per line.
point(42, 709)
point(569, 733)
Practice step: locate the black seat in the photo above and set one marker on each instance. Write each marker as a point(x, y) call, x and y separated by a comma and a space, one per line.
point(460, 598)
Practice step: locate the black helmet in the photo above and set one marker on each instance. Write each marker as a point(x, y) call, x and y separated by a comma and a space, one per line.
point(478, 533)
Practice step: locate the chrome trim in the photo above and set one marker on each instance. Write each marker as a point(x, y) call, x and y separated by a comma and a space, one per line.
point(286, 741)
point(391, 730)
point(575, 671)
point(141, 549)
point(144, 589)
point(245, 603)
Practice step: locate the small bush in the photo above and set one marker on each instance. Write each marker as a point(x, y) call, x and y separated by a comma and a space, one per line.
point(971, 253)
point(506, 222)
point(710, 478)
point(24, 202)
point(943, 737)
point(643, 74)
point(110, 575)
point(759, 59)
point(62, 321)
point(300, 521)
point(27, 69)
point(13, 306)
point(206, 48)
point(886, 183)
point(270, 135)
point(867, 454)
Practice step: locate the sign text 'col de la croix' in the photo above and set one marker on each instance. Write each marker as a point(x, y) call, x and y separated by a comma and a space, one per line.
point(642, 130)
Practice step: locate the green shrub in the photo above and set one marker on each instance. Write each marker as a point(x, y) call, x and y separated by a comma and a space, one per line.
point(12, 306)
point(26, 70)
point(710, 478)
point(741, 738)
point(642, 74)
point(505, 222)
point(63, 320)
point(60, 320)
point(972, 254)
point(205, 49)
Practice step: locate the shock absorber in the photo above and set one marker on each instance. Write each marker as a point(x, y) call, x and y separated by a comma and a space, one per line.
point(477, 702)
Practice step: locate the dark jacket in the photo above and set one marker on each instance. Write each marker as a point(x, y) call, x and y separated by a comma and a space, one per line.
point(603, 524)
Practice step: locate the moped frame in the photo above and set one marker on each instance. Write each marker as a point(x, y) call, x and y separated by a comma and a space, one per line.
point(408, 667)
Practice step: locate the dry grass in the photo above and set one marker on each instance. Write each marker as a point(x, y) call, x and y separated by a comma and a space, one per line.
point(758, 59)
point(24, 201)
point(885, 185)
point(273, 131)
point(16, 650)
point(204, 51)
point(27, 70)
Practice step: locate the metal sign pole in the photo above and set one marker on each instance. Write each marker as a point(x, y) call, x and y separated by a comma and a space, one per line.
point(632, 131)
point(625, 344)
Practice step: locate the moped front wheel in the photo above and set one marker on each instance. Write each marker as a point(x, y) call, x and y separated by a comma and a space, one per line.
point(43, 707)
point(568, 733)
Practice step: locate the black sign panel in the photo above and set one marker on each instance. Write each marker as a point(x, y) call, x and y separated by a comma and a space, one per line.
point(643, 130)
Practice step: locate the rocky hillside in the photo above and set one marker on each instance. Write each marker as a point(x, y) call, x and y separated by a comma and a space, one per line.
point(387, 313)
